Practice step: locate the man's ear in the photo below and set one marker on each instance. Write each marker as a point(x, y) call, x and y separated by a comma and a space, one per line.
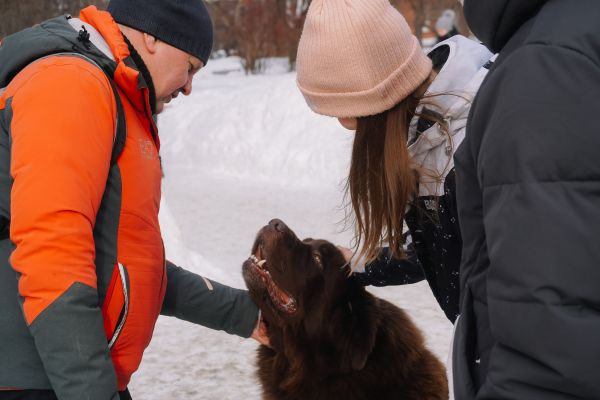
point(150, 43)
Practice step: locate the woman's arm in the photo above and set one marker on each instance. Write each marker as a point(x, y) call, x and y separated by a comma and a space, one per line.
point(387, 270)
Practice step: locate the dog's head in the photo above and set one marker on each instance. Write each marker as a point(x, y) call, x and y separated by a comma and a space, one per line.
point(304, 290)
point(288, 277)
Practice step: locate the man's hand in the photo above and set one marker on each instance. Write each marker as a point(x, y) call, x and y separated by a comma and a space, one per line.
point(260, 332)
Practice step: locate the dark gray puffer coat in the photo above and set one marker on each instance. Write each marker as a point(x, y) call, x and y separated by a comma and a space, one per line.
point(528, 191)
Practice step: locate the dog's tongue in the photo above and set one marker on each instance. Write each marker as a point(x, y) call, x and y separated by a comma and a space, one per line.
point(284, 297)
point(283, 300)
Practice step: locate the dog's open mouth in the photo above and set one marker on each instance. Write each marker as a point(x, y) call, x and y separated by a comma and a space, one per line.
point(279, 297)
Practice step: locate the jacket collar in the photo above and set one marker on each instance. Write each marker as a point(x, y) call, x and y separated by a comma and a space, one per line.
point(145, 77)
point(128, 75)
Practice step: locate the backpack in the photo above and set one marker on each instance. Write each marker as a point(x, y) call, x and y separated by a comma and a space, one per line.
point(121, 130)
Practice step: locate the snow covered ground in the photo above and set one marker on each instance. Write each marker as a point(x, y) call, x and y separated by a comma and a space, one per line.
point(239, 151)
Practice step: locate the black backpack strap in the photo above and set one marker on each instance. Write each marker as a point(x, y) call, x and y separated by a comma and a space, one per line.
point(121, 131)
point(118, 140)
point(121, 126)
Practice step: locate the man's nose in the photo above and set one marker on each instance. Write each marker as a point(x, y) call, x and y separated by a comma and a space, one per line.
point(187, 88)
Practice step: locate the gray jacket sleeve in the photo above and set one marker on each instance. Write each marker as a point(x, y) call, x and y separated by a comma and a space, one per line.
point(70, 339)
point(539, 168)
point(205, 302)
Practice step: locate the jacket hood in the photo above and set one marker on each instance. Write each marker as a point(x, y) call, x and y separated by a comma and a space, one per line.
point(452, 92)
point(495, 21)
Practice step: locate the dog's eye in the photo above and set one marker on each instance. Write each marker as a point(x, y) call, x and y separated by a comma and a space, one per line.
point(317, 258)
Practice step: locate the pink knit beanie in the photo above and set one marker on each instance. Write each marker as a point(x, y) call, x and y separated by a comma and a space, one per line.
point(357, 58)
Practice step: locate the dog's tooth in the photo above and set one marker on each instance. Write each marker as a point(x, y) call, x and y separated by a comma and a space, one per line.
point(261, 263)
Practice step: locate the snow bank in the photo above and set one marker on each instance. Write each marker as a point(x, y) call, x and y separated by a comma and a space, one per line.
point(252, 127)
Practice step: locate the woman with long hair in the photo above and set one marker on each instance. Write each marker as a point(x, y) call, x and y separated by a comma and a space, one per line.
point(359, 62)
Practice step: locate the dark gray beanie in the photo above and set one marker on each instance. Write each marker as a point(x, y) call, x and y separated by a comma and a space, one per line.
point(184, 24)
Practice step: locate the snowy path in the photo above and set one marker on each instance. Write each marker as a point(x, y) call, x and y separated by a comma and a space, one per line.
point(221, 185)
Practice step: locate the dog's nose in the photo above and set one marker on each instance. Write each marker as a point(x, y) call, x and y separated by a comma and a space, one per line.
point(277, 224)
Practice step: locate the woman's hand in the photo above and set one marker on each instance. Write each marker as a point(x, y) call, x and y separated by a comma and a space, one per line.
point(346, 252)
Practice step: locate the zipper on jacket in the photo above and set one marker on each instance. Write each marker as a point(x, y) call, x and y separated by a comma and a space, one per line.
point(125, 310)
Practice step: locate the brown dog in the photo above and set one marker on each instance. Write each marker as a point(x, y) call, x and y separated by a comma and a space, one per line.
point(330, 338)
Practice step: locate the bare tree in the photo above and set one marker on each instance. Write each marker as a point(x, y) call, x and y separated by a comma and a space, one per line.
point(225, 30)
point(295, 15)
point(254, 29)
point(255, 21)
point(245, 28)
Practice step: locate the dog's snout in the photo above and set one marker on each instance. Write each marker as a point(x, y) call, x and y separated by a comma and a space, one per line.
point(278, 225)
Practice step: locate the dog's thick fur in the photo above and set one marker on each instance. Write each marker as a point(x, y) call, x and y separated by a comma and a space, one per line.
point(330, 338)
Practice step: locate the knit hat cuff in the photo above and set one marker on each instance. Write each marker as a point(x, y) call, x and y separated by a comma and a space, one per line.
point(182, 24)
point(397, 86)
point(186, 43)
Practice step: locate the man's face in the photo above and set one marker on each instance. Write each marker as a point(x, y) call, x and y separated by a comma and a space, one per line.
point(172, 71)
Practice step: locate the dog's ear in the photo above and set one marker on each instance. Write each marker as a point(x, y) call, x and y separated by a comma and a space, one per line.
point(359, 331)
point(314, 307)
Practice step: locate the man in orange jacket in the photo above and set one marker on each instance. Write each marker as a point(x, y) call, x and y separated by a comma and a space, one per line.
point(83, 275)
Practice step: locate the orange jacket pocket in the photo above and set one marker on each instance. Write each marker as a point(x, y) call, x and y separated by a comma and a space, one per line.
point(116, 304)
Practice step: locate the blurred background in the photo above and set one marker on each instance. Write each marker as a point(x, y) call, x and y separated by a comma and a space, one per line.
point(251, 29)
